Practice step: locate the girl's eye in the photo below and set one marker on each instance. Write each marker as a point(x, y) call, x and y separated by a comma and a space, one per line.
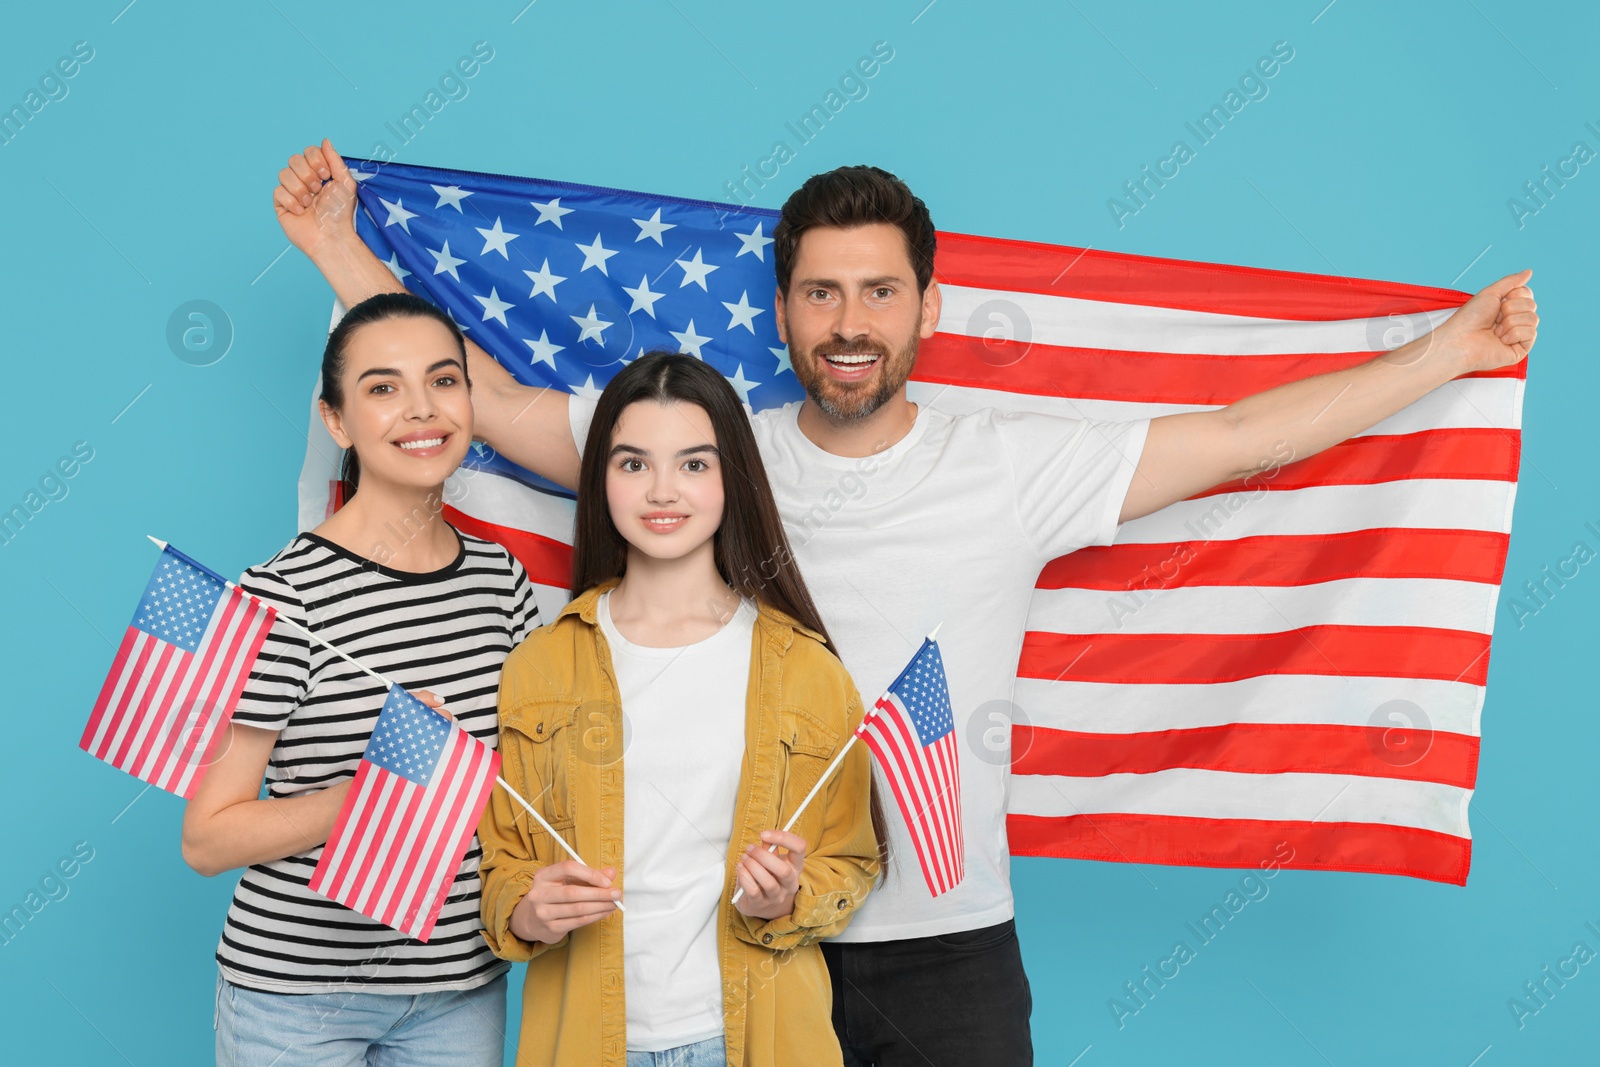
point(633, 466)
point(695, 465)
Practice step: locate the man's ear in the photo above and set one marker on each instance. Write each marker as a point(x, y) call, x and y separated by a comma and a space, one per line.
point(932, 305)
point(782, 316)
point(335, 425)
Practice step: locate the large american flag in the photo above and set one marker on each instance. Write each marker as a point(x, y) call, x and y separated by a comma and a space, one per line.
point(1300, 658)
point(413, 808)
point(177, 674)
point(911, 732)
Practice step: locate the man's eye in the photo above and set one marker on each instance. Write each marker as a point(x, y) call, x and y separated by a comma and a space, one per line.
point(819, 294)
point(883, 292)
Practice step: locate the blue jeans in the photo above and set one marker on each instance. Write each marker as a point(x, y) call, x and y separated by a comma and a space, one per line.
point(360, 1029)
point(708, 1053)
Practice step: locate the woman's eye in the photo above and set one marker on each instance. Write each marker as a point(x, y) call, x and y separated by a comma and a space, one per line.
point(381, 387)
point(445, 380)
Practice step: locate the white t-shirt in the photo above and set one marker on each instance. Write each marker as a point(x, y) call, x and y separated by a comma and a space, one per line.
point(683, 746)
point(951, 525)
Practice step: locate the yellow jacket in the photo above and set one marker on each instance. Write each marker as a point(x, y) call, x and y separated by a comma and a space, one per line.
point(561, 740)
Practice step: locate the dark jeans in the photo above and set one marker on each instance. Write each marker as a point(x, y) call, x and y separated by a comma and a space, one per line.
point(955, 1000)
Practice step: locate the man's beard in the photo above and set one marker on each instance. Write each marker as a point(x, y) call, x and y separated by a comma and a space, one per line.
point(845, 401)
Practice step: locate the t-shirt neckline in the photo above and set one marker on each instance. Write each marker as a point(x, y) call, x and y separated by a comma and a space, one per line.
point(447, 571)
point(705, 644)
point(816, 452)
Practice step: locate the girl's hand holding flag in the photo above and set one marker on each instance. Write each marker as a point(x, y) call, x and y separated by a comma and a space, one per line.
point(769, 879)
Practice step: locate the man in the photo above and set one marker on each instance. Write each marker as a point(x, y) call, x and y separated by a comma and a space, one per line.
point(944, 519)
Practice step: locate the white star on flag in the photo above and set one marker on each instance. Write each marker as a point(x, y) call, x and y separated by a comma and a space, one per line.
point(593, 326)
point(695, 270)
point(653, 227)
point(742, 384)
point(595, 255)
point(543, 281)
point(399, 272)
point(689, 342)
point(752, 242)
point(452, 195)
point(494, 307)
point(496, 239)
point(643, 299)
point(398, 213)
point(550, 212)
point(743, 313)
point(543, 350)
point(444, 262)
point(782, 355)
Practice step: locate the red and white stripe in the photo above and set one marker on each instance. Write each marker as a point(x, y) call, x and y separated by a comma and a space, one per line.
point(395, 849)
point(927, 785)
point(1232, 709)
point(1205, 687)
point(161, 706)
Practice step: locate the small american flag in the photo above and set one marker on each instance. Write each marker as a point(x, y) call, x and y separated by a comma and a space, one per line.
point(417, 797)
point(177, 674)
point(912, 735)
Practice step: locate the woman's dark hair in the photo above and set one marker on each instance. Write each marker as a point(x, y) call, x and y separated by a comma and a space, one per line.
point(847, 197)
point(373, 309)
point(750, 547)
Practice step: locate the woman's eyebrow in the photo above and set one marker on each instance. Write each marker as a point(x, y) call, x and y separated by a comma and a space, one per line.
point(392, 373)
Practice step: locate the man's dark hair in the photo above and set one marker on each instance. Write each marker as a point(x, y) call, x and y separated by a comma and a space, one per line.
point(848, 197)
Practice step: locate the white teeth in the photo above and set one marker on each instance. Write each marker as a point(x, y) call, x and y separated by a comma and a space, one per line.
point(426, 442)
point(850, 360)
point(664, 522)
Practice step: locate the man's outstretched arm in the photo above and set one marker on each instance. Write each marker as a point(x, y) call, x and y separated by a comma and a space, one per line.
point(1189, 453)
point(315, 202)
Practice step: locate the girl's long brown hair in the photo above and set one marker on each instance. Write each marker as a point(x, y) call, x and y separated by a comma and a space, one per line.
point(750, 547)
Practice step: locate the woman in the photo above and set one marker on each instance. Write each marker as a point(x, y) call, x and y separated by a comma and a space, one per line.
point(692, 677)
point(389, 582)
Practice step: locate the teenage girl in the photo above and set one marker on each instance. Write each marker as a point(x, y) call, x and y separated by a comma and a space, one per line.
point(665, 724)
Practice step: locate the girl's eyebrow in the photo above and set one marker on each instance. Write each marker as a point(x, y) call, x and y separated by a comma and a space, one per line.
point(635, 450)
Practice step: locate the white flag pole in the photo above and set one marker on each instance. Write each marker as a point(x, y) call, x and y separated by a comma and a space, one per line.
point(854, 737)
point(388, 684)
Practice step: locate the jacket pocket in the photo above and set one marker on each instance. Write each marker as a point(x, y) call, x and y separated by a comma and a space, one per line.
point(809, 744)
point(548, 726)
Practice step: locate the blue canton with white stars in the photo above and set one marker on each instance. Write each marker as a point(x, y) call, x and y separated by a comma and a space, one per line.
point(922, 689)
point(178, 603)
point(565, 284)
point(408, 737)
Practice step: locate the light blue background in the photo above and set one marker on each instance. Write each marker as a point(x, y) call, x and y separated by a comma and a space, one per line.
point(1387, 148)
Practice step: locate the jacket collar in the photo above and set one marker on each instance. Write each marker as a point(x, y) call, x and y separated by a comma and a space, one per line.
point(777, 623)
